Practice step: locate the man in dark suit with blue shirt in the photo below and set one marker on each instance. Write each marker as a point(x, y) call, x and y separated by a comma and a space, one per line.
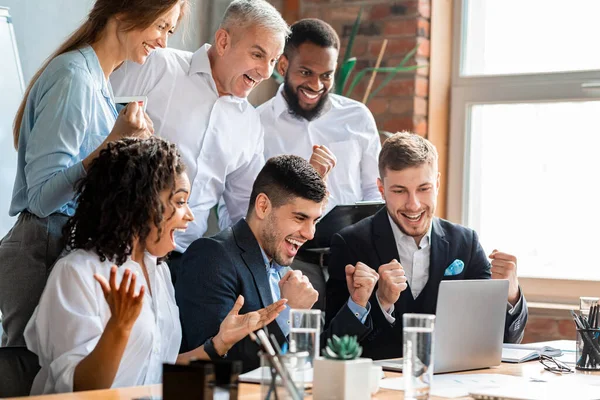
point(412, 251)
point(252, 259)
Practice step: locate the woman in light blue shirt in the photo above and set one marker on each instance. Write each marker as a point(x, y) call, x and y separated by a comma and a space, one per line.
point(66, 117)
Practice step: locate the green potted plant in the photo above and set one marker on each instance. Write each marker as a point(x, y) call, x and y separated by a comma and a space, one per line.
point(341, 374)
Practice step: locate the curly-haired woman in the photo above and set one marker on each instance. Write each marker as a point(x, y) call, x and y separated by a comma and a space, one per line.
point(91, 332)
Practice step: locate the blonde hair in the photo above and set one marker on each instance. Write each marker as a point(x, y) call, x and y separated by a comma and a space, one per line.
point(136, 14)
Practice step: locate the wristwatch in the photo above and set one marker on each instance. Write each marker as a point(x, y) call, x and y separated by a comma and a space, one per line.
point(209, 348)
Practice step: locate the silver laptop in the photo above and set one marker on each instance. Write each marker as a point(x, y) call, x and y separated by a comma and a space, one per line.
point(469, 326)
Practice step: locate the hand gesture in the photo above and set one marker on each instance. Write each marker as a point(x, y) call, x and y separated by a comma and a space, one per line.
point(392, 282)
point(125, 306)
point(504, 266)
point(323, 160)
point(235, 327)
point(298, 291)
point(361, 280)
point(132, 122)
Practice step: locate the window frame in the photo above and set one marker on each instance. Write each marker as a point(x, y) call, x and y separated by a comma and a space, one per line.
point(467, 91)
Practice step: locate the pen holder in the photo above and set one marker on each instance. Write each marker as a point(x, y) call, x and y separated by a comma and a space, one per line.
point(588, 349)
point(272, 386)
point(226, 375)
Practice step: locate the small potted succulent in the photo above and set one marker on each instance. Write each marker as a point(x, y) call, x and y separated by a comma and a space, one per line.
point(341, 374)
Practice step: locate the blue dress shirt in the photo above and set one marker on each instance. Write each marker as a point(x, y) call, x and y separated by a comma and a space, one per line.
point(68, 114)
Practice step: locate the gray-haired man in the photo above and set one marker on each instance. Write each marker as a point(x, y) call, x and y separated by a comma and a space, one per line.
point(198, 101)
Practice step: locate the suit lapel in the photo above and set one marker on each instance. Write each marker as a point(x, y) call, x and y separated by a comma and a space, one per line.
point(438, 261)
point(383, 239)
point(252, 256)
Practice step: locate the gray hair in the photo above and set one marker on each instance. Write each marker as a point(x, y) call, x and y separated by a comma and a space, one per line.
point(245, 13)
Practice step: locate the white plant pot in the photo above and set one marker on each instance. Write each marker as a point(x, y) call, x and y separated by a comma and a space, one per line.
point(342, 380)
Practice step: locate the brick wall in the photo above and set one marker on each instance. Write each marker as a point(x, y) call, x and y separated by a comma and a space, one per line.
point(402, 104)
point(541, 327)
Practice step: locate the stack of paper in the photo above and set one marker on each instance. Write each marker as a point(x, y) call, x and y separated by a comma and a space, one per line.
point(498, 386)
point(518, 353)
point(256, 375)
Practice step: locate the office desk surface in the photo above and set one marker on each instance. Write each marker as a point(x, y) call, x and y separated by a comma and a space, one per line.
point(532, 369)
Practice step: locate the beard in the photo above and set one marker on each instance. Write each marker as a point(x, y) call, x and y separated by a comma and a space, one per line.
point(270, 240)
point(294, 107)
point(411, 231)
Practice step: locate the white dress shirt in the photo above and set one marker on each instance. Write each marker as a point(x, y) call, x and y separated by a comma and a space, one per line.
point(415, 262)
point(346, 127)
point(73, 312)
point(414, 259)
point(220, 138)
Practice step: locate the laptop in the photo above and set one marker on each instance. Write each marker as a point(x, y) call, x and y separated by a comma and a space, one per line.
point(469, 326)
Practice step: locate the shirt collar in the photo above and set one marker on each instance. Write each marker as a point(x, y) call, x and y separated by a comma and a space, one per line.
point(93, 64)
point(201, 65)
point(269, 264)
point(150, 261)
point(280, 105)
point(200, 62)
point(399, 235)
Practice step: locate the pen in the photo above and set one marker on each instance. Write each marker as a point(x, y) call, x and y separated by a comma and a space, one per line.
point(279, 366)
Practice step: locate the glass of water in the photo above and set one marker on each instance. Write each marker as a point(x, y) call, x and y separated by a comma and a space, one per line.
point(305, 331)
point(417, 332)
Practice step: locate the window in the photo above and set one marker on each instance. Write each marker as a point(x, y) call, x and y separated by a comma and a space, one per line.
point(504, 37)
point(524, 138)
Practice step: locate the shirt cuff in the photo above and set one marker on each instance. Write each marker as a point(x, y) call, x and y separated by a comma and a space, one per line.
point(387, 314)
point(516, 309)
point(359, 311)
point(283, 320)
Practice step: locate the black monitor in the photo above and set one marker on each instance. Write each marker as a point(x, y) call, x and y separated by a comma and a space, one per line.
point(338, 218)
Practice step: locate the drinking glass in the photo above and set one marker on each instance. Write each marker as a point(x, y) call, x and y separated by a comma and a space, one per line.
point(417, 331)
point(305, 330)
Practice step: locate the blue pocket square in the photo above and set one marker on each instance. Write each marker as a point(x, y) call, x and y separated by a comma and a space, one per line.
point(455, 268)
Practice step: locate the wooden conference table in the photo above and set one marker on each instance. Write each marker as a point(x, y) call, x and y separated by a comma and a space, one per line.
point(247, 391)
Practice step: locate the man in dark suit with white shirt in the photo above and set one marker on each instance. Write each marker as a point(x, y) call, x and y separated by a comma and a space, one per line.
point(252, 257)
point(412, 251)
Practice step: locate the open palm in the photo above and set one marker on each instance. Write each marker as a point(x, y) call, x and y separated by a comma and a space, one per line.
point(235, 327)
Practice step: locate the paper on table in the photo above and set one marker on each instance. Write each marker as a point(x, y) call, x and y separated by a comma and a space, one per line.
point(457, 385)
point(564, 345)
point(539, 391)
point(518, 353)
point(255, 376)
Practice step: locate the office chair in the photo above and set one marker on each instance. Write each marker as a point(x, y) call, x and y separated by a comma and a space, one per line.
point(18, 367)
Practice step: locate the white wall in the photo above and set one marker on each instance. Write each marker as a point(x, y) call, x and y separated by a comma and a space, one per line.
point(41, 26)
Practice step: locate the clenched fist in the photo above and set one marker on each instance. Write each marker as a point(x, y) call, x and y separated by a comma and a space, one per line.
point(392, 282)
point(504, 266)
point(298, 291)
point(361, 280)
point(323, 160)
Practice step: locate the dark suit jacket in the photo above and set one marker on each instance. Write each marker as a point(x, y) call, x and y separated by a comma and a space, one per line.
point(372, 242)
point(213, 272)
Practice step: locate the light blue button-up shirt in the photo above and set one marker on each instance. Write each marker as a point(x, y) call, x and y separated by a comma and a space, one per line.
point(69, 112)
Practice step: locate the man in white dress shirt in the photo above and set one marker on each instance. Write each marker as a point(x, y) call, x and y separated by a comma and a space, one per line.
point(304, 114)
point(198, 101)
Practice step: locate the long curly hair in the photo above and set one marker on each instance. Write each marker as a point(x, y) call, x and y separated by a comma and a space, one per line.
point(119, 198)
